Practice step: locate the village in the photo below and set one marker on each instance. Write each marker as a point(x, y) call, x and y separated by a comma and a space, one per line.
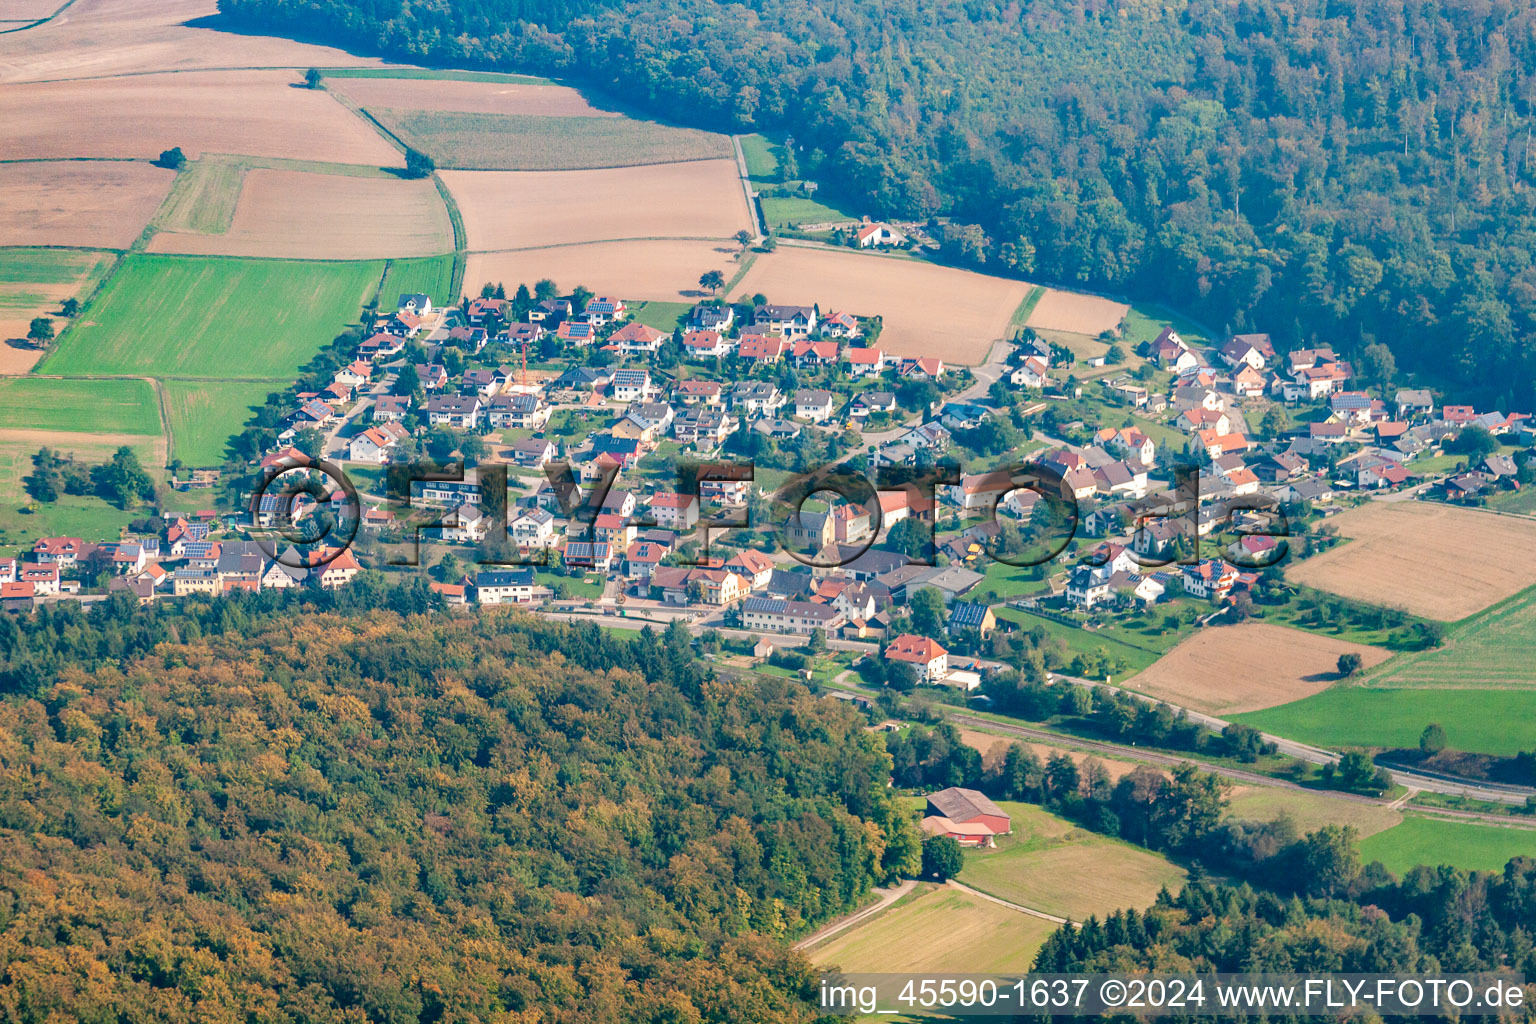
point(590, 417)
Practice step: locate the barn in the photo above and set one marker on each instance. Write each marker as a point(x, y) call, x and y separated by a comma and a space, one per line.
point(968, 807)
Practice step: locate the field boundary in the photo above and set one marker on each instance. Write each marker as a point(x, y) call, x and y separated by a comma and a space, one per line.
point(40, 21)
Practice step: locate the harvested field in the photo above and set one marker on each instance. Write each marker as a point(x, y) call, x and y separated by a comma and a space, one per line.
point(79, 203)
point(30, 10)
point(542, 142)
point(1248, 666)
point(1438, 561)
point(229, 319)
point(256, 112)
point(664, 271)
point(941, 930)
point(1309, 810)
point(114, 37)
point(905, 292)
point(299, 215)
point(1048, 864)
point(123, 407)
point(505, 98)
point(515, 210)
point(1076, 313)
point(32, 283)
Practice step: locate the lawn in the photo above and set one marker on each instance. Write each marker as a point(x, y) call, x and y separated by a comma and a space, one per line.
point(98, 406)
point(1420, 840)
point(1309, 809)
point(762, 157)
point(177, 316)
point(663, 316)
point(1498, 722)
point(939, 930)
point(1146, 321)
point(205, 414)
point(538, 142)
point(1051, 865)
point(431, 276)
point(783, 211)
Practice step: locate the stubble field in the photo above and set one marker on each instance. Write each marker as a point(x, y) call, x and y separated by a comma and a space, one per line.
point(497, 97)
point(1075, 313)
point(1248, 666)
point(517, 210)
point(88, 204)
point(928, 310)
point(299, 215)
point(663, 271)
point(1439, 561)
point(256, 112)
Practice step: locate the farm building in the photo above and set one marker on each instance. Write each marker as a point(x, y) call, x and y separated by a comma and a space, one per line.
point(966, 816)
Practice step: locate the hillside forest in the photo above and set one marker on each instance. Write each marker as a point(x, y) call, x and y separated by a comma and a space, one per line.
point(1330, 171)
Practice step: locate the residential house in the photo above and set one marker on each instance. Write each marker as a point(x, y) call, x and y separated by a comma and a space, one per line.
point(775, 615)
point(533, 529)
point(872, 402)
point(637, 339)
point(675, 511)
point(698, 392)
point(505, 586)
point(872, 235)
point(840, 325)
point(602, 310)
point(705, 344)
point(550, 312)
point(460, 411)
point(756, 397)
point(521, 411)
point(927, 656)
point(632, 386)
point(808, 353)
point(1252, 350)
point(864, 361)
point(761, 349)
point(377, 443)
point(1034, 372)
point(814, 405)
point(391, 408)
point(710, 316)
point(532, 452)
point(789, 321)
point(704, 428)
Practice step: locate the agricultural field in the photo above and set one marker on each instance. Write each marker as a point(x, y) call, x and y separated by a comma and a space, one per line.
point(432, 276)
point(788, 211)
point(762, 156)
point(301, 215)
point(540, 142)
point(1075, 313)
point(90, 204)
point(994, 747)
point(94, 406)
point(30, 10)
point(205, 414)
point(528, 209)
point(32, 283)
point(664, 271)
point(1495, 650)
point(434, 74)
point(1497, 722)
point(229, 319)
point(1424, 840)
point(115, 37)
point(943, 929)
point(1051, 865)
point(503, 96)
point(204, 197)
point(257, 112)
point(1263, 665)
point(1439, 561)
point(1309, 810)
point(905, 292)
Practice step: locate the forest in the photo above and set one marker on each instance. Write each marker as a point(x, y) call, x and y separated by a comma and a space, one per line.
point(361, 808)
point(1339, 172)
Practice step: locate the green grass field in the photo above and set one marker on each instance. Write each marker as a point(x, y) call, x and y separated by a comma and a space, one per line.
point(1031, 300)
point(1520, 503)
point(939, 930)
point(23, 521)
point(203, 197)
point(1051, 865)
point(531, 142)
point(430, 275)
point(1146, 321)
point(1133, 649)
point(20, 267)
point(663, 316)
point(762, 157)
point(1420, 840)
point(180, 316)
point(1493, 650)
point(782, 211)
point(1499, 722)
point(204, 414)
point(96, 406)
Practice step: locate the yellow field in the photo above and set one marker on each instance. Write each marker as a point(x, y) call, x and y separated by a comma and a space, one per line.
point(1076, 313)
point(114, 37)
point(88, 204)
point(1439, 561)
point(255, 112)
point(928, 310)
point(1050, 865)
point(666, 271)
point(300, 215)
point(941, 930)
point(1309, 810)
point(1248, 666)
point(524, 209)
